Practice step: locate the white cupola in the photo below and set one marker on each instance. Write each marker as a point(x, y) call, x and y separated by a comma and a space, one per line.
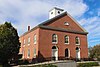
point(54, 12)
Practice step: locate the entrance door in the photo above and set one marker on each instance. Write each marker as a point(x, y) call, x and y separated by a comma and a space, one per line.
point(77, 53)
point(55, 53)
point(66, 53)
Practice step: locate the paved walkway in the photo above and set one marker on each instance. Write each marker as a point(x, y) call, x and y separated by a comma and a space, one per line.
point(65, 63)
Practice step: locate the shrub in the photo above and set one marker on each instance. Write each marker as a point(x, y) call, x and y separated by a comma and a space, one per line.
point(0, 65)
point(26, 62)
point(88, 64)
point(98, 59)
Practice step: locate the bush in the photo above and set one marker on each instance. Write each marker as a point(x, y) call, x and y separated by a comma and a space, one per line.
point(26, 62)
point(0, 65)
point(98, 59)
point(88, 64)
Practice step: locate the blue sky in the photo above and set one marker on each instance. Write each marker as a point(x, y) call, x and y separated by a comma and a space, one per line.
point(22, 13)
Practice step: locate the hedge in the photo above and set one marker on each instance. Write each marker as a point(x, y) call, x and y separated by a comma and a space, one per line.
point(89, 64)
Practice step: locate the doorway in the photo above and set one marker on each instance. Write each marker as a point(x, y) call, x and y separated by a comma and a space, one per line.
point(77, 52)
point(55, 53)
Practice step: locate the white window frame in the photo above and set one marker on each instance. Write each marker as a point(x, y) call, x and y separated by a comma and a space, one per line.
point(35, 39)
point(56, 39)
point(28, 54)
point(66, 23)
point(34, 53)
point(28, 40)
point(24, 41)
point(23, 54)
point(78, 40)
point(68, 53)
point(66, 36)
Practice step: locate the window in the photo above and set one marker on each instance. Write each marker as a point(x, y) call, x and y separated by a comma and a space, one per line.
point(23, 54)
point(51, 12)
point(66, 39)
point(67, 53)
point(58, 12)
point(34, 52)
point(54, 38)
point(20, 41)
point(34, 39)
point(24, 41)
point(28, 53)
point(66, 23)
point(28, 40)
point(77, 40)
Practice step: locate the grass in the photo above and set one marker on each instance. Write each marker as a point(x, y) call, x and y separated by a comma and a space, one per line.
point(89, 64)
point(44, 65)
point(0, 65)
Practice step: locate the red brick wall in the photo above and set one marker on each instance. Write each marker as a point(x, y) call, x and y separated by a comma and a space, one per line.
point(59, 23)
point(45, 44)
point(31, 46)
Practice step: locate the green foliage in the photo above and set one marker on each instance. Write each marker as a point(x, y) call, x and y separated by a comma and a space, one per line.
point(9, 42)
point(95, 52)
point(90, 64)
point(0, 65)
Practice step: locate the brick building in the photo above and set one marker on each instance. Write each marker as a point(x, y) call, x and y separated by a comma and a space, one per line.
point(57, 38)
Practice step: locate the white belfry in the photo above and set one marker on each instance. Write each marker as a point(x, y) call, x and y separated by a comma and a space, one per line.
point(54, 12)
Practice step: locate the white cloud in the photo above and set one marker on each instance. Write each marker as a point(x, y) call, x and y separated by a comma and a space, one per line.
point(91, 23)
point(26, 12)
point(75, 7)
point(92, 26)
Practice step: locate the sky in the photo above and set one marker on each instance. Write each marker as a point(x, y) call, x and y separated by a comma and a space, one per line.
point(23, 13)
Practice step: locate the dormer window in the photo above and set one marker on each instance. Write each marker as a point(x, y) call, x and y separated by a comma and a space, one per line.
point(66, 23)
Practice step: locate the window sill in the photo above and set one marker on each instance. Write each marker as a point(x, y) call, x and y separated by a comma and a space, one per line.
point(35, 43)
point(67, 43)
point(23, 45)
point(28, 44)
point(54, 43)
point(27, 57)
point(34, 55)
point(77, 44)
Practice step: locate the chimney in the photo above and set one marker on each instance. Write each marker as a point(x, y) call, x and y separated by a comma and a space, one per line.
point(28, 28)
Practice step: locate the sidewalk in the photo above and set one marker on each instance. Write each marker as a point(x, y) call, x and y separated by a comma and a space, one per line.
point(60, 63)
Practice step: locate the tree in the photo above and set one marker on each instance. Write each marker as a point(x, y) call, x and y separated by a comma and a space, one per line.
point(95, 52)
point(9, 42)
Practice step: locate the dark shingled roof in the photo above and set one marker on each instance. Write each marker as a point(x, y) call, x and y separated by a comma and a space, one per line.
point(42, 25)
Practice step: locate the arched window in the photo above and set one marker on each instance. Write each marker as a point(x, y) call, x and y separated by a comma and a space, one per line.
point(28, 53)
point(35, 39)
point(66, 39)
point(67, 53)
point(77, 40)
point(54, 38)
point(23, 53)
point(28, 40)
point(34, 52)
